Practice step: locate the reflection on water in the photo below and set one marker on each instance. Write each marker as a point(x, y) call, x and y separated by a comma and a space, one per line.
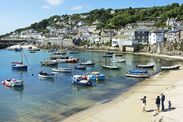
point(54, 99)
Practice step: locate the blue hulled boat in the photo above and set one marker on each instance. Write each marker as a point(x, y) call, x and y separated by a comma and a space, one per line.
point(96, 76)
point(19, 66)
point(138, 73)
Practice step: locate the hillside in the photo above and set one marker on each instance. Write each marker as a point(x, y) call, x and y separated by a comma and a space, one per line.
point(111, 19)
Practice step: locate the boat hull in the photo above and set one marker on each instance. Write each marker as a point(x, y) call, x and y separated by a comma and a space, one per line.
point(23, 67)
point(137, 75)
point(64, 70)
point(47, 63)
point(145, 66)
point(89, 83)
point(111, 67)
point(176, 67)
point(46, 76)
point(12, 83)
point(118, 61)
point(81, 80)
point(87, 63)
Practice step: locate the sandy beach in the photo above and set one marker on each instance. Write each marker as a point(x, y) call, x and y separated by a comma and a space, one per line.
point(127, 107)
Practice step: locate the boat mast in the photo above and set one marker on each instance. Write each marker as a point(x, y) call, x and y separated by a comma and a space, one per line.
point(21, 54)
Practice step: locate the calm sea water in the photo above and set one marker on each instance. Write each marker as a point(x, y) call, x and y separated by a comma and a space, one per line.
point(52, 100)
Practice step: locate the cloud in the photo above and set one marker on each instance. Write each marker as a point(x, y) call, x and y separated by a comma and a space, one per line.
point(54, 2)
point(75, 8)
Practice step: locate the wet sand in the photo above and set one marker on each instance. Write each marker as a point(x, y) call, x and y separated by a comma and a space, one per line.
point(127, 107)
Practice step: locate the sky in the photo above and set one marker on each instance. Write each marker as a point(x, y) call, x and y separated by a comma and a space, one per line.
point(16, 14)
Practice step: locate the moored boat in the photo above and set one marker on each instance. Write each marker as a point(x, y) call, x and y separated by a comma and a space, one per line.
point(54, 57)
point(174, 67)
point(64, 70)
point(88, 63)
point(72, 60)
point(112, 67)
point(96, 76)
point(49, 63)
point(81, 80)
point(19, 66)
point(118, 60)
point(45, 75)
point(61, 60)
point(146, 66)
point(13, 83)
point(137, 73)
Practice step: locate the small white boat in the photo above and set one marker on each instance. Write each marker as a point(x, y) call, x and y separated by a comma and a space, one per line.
point(146, 66)
point(88, 63)
point(118, 60)
point(174, 67)
point(65, 70)
point(49, 63)
point(13, 83)
point(61, 60)
point(45, 75)
point(112, 67)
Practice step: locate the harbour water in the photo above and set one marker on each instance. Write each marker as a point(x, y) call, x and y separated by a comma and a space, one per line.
point(54, 99)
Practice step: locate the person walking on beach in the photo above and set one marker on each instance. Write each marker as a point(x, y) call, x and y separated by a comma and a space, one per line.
point(143, 103)
point(162, 102)
point(158, 103)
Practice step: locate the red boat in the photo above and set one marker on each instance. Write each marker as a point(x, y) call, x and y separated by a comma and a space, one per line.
point(72, 60)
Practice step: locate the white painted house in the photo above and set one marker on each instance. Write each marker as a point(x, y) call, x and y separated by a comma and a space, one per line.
point(156, 36)
point(125, 43)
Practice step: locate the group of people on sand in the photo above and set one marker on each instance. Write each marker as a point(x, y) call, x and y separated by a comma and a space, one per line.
point(160, 100)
